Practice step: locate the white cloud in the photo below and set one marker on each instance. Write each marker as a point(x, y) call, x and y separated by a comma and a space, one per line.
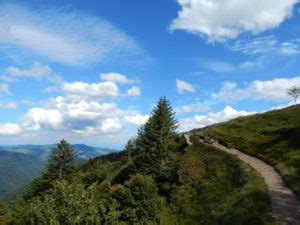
point(4, 89)
point(8, 105)
point(196, 107)
point(272, 90)
point(248, 65)
point(107, 88)
point(64, 36)
point(9, 129)
point(136, 119)
point(134, 91)
point(183, 86)
point(290, 48)
point(82, 118)
point(260, 45)
point(199, 121)
point(37, 71)
point(266, 45)
point(111, 125)
point(218, 66)
point(38, 118)
point(220, 20)
point(80, 90)
point(115, 78)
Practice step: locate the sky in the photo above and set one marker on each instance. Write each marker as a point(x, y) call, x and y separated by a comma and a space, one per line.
point(92, 71)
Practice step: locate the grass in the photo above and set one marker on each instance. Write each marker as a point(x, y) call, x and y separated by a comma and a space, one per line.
point(213, 187)
point(217, 188)
point(273, 136)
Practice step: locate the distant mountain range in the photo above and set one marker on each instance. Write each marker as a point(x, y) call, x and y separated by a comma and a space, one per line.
point(19, 164)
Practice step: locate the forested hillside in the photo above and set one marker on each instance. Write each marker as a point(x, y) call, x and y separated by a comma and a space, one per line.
point(273, 136)
point(43, 151)
point(21, 163)
point(17, 169)
point(157, 179)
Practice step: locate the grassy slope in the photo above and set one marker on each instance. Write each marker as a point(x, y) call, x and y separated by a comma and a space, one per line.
point(272, 136)
point(214, 188)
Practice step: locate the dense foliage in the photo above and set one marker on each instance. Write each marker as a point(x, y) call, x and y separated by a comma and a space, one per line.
point(157, 179)
point(272, 136)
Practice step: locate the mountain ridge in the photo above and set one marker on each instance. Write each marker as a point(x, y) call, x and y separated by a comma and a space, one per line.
point(19, 164)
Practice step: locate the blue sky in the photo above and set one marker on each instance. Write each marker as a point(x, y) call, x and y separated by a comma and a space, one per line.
point(92, 72)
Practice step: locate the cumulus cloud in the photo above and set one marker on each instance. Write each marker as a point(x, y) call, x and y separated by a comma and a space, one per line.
point(9, 129)
point(272, 90)
point(38, 118)
point(221, 20)
point(196, 107)
point(81, 118)
point(81, 90)
point(64, 36)
point(183, 86)
point(134, 91)
point(136, 119)
point(199, 121)
point(108, 87)
point(4, 89)
point(115, 78)
point(111, 125)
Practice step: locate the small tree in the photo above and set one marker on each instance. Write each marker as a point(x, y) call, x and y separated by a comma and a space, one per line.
point(138, 200)
point(294, 92)
point(129, 148)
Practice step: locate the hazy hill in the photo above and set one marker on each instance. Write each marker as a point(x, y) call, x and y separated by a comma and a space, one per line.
point(273, 136)
point(43, 151)
point(17, 169)
point(21, 163)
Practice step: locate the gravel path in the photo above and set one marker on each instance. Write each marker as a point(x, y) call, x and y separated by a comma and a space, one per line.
point(285, 206)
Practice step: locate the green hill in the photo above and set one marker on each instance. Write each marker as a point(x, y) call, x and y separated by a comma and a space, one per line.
point(273, 136)
point(19, 164)
point(17, 169)
point(43, 151)
point(157, 179)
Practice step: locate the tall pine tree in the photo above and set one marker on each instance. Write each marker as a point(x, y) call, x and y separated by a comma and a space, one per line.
point(61, 162)
point(156, 138)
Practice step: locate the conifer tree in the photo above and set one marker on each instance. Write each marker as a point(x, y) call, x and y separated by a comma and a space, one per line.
point(61, 161)
point(60, 164)
point(156, 137)
point(129, 148)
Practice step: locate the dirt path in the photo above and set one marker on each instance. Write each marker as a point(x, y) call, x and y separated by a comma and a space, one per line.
point(285, 206)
